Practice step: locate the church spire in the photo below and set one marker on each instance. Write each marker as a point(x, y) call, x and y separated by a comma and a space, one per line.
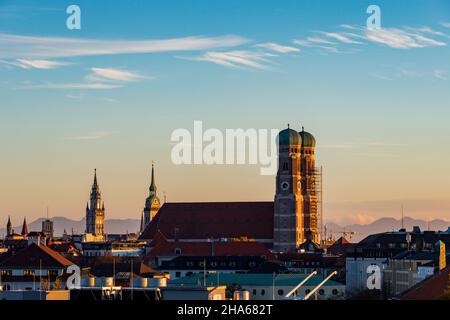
point(95, 177)
point(152, 181)
point(9, 227)
point(142, 223)
point(24, 227)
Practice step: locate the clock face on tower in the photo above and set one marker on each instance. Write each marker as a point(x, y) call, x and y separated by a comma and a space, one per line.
point(285, 185)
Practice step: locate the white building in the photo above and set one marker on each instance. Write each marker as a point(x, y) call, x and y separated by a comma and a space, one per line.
point(34, 268)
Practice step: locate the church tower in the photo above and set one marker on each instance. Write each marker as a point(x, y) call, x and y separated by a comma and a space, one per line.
point(152, 203)
point(9, 227)
point(288, 218)
point(95, 214)
point(309, 187)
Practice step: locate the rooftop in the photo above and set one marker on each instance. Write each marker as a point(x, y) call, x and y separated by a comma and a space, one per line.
point(203, 220)
point(252, 279)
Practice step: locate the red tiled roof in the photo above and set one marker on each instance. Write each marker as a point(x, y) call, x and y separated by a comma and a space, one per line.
point(339, 246)
point(35, 256)
point(429, 289)
point(202, 220)
point(163, 247)
point(63, 247)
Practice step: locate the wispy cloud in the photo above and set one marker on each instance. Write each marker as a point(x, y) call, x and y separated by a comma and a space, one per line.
point(20, 46)
point(102, 74)
point(313, 42)
point(34, 64)
point(341, 37)
point(400, 39)
point(74, 96)
point(91, 136)
point(74, 85)
point(277, 47)
point(237, 59)
point(440, 74)
point(380, 76)
point(397, 38)
point(445, 24)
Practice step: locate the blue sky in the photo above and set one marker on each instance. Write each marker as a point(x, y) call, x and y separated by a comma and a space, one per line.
point(377, 102)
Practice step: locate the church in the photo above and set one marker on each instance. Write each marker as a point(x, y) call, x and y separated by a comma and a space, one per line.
point(283, 225)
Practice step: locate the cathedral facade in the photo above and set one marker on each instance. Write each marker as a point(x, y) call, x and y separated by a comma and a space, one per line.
point(283, 224)
point(295, 209)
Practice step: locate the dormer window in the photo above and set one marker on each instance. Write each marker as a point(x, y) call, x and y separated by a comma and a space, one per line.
point(177, 251)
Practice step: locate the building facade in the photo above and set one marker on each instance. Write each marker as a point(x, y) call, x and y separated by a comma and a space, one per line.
point(282, 224)
point(95, 214)
point(152, 203)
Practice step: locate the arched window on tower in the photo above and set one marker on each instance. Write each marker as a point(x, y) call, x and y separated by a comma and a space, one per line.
point(285, 166)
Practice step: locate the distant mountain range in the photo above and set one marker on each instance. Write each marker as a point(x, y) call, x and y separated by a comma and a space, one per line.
point(78, 227)
point(360, 230)
point(384, 225)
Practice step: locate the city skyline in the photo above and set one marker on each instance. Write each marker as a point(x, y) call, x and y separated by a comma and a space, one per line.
point(377, 105)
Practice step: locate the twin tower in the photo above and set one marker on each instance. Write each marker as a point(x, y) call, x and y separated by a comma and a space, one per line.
point(295, 218)
point(296, 197)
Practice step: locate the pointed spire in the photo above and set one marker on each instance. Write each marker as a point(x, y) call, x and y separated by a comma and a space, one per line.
point(95, 177)
point(142, 222)
point(95, 187)
point(9, 228)
point(152, 181)
point(24, 227)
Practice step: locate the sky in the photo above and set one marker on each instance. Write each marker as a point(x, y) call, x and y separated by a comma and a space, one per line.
point(109, 96)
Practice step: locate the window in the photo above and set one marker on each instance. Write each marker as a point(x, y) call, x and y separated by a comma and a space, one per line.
point(285, 166)
point(263, 292)
point(177, 251)
point(52, 273)
point(28, 272)
point(177, 274)
point(335, 292)
point(280, 292)
point(307, 291)
point(321, 292)
point(6, 272)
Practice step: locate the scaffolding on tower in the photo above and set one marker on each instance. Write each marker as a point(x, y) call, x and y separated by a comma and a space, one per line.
point(318, 181)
